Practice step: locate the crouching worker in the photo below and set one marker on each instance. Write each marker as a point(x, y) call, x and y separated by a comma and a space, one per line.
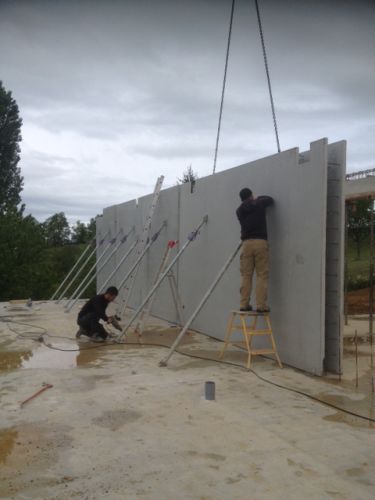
point(92, 312)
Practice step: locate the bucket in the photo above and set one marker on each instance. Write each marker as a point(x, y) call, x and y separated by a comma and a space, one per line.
point(209, 391)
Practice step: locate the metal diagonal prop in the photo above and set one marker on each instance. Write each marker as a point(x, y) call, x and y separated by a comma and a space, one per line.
point(87, 280)
point(85, 284)
point(81, 268)
point(123, 259)
point(142, 254)
point(164, 361)
point(90, 245)
point(163, 276)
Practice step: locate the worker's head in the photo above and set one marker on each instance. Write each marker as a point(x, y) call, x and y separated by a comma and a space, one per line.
point(111, 293)
point(245, 194)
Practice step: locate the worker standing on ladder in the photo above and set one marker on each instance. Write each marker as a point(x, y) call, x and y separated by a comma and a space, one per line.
point(92, 312)
point(254, 253)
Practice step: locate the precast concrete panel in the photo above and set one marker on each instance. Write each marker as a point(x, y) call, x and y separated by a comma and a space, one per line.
point(129, 216)
point(304, 249)
point(109, 223)
point(126, 220)
point(101, 241)
point(167, 210)
point(142, 211)
point(297, 227)
point(335, 257)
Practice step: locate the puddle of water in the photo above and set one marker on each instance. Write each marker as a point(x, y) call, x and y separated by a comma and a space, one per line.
point(364, 406)
point(7, 441)
point(43, 357)
point(164, 336)
point(10, 360)
point(344, 418)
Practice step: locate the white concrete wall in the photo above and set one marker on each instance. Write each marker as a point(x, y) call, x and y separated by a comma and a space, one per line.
point(297, 235)
point(335, 257)
point(360, 188)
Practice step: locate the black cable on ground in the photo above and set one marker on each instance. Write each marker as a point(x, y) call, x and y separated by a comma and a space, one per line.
point(25, 334)
point(189, 355)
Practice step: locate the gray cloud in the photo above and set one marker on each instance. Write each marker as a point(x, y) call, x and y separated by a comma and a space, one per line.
point(114, 93)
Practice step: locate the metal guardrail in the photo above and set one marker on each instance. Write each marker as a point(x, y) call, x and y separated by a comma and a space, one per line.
point(362, 174)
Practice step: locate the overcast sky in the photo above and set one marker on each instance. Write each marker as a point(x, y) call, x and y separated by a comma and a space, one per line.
point(114, 93)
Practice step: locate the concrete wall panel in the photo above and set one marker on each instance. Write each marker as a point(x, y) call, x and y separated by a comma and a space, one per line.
point(297, 253)
point(299, 245)
point(109, 222)
point(127, 217)
point(166, 210)
point(335, 257)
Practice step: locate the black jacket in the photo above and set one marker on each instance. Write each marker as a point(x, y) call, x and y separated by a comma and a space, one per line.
point(97, 305)
point(252, 217)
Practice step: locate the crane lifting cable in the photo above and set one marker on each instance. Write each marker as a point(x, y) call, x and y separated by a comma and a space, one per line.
point(268, 75)
point(225, 79)
point(224, 83)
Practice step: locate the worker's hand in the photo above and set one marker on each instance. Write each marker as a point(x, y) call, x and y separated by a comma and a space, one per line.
point(110, 319)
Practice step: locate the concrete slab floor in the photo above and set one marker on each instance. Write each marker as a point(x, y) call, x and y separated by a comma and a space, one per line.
point(115, 425)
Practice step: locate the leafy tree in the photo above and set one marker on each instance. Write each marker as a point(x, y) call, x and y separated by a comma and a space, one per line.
point(188, 176)
point(22, 270)
point(359, 215)
point(91, 228)
point(56, 230)
point(10, 136)
point(34, 257)
point(59, 261)
point(83, 233)
point(79, 233)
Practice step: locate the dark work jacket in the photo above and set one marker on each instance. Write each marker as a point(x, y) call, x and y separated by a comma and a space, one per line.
point(97, 305)
point(252, 217)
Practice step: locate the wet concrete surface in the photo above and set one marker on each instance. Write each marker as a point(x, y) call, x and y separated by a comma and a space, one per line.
point(117, 426)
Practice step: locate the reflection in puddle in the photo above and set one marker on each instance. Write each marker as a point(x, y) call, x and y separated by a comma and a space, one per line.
point(12, 360)
point(43, 357)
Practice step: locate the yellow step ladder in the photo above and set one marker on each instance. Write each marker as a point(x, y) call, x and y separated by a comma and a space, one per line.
point(249, 331)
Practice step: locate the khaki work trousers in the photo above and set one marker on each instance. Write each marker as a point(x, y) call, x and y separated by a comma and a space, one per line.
point(254, 257)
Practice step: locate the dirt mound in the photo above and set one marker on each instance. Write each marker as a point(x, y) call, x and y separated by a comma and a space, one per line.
point(359, 301)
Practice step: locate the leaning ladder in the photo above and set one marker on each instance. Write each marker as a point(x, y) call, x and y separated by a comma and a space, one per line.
point(144, 315)
point(143, 240)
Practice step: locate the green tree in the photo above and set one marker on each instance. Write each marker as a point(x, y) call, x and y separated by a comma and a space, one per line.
point(83, 233)
point(91, 228)
point(79, 233)
point(359, 215)
point(188, 176)
point(56, 230)
point(22, 268)
point(11, 181)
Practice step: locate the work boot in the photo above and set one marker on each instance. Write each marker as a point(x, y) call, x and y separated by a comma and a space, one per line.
point(97, 338)
point(246, 309)
point(80, 332)
point(263, 310)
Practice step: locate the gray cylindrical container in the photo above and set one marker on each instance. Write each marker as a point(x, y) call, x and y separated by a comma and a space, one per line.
point(209, 391)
